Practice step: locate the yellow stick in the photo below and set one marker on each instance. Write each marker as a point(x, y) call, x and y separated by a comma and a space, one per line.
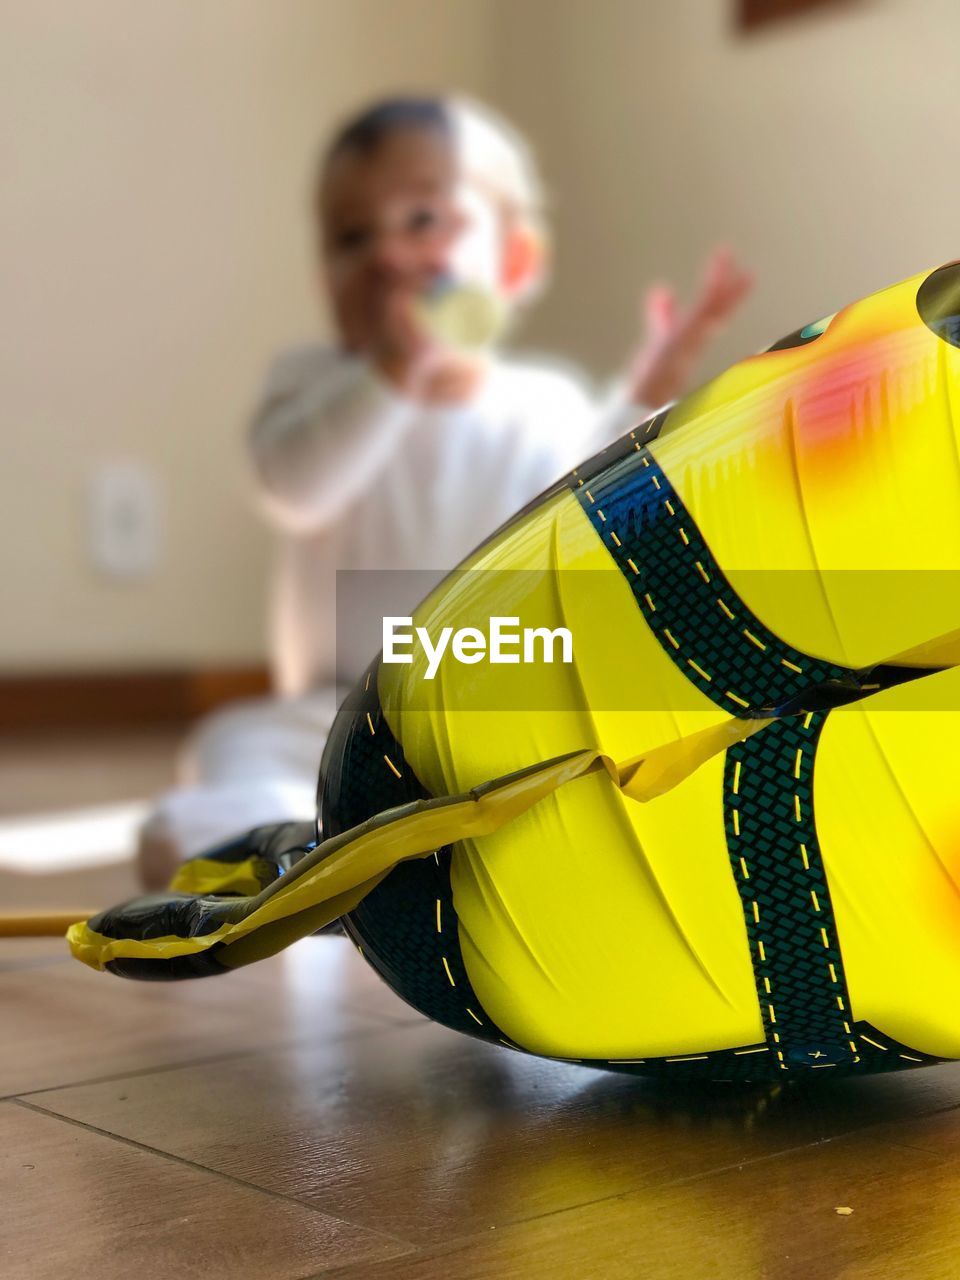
point(47, 924)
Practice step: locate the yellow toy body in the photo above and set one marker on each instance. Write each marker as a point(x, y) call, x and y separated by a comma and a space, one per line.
point(760, 586)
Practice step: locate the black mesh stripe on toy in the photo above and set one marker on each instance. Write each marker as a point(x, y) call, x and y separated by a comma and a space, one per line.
point(778, 869)
point(699, 620)
point(406, 927)
point(776, 863)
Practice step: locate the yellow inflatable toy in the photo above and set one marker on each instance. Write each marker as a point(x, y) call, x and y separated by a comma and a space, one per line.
point(680, 796)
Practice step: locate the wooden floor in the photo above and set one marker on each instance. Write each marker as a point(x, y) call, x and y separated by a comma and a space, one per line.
point(296, 1120)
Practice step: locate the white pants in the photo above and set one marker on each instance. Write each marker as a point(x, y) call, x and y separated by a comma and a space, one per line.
point(251, 763)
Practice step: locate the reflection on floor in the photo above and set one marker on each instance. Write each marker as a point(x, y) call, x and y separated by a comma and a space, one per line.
point(296, 1120)
point(70, 807)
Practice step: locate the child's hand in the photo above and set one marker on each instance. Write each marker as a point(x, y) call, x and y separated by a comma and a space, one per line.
point(399, 346)
point(674, 338)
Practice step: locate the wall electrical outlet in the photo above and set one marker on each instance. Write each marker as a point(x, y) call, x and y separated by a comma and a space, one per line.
point(124, 519)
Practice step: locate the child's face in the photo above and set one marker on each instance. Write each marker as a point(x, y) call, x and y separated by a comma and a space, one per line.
point(400, 217)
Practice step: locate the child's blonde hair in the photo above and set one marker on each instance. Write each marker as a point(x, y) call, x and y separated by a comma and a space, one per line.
point(495, 157)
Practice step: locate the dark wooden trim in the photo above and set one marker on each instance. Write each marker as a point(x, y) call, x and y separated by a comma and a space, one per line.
point(755, 13)
point(99, 700)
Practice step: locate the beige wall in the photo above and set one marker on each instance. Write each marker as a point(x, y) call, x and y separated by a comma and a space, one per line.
point(825, 149)
point(152, 255)
point(153, 250)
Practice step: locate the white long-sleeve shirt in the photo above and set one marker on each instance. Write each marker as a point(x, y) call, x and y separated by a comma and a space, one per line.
point(357, 477)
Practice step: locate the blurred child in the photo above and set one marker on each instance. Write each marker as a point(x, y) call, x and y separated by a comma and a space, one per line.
point(410, 439)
